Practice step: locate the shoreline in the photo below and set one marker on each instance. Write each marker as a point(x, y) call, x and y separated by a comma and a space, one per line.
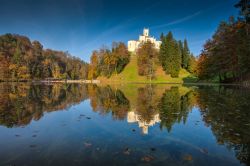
point(54, 81)
point(125, 82)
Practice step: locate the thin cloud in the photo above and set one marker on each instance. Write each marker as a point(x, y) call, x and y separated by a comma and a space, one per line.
point(178, 20)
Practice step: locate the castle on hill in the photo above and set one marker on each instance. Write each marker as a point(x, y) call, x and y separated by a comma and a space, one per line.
point(133, 45)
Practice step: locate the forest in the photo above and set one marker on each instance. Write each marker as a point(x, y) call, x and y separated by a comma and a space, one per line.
point(23, 60)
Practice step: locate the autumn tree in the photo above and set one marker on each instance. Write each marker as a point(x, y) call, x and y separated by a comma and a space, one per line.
point(105, 61)
point(147, 58)
point(192, 64)
point(226, 55)
point(92, 70)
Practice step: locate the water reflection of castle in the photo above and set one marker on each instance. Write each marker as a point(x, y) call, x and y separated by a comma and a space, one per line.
point(133, 117)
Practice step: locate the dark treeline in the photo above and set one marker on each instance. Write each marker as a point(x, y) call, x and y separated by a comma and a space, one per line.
point(226, 56)
point(105, 62)
point(22, 59)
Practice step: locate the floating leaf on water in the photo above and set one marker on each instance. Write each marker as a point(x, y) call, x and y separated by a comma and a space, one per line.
point(88, 117)
point(147, 158)
point(17, 135)
point(34, 135)
point(133, 130)
point(188, 157)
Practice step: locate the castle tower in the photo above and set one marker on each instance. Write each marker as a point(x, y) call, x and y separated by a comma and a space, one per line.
point(133, 45)
point(146, 32)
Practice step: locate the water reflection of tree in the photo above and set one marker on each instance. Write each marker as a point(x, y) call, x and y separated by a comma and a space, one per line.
point(174, 107)
point(147, 102)
point(20, 103)
point(226, 111)
point(107, 100)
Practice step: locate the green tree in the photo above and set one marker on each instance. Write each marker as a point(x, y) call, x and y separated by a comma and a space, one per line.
point(170, 55)
point(185, 55)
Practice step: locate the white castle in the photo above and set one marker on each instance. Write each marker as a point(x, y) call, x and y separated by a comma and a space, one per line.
point(133, 45)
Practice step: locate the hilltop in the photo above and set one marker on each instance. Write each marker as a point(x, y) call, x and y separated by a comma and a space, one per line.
point(130, 75)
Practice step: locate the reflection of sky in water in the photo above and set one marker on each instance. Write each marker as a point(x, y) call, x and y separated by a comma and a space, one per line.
point(79, 135)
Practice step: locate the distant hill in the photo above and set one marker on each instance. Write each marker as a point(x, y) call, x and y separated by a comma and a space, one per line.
point(130, 75)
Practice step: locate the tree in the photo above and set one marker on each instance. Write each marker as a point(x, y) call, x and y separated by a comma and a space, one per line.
point(35, 64)
point(244, 6)
point(92, 70)
point(105, 62)
point(121, 56)
point(147, 57)
point(4, 68)
point(182, 52)
point(192, 64)
point(185, 55)
point(225, 57)
point(170, 55)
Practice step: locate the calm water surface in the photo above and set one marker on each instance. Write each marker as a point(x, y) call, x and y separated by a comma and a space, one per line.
point(73, 124)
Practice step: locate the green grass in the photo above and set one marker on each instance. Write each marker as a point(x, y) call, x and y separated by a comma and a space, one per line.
point(130, 75)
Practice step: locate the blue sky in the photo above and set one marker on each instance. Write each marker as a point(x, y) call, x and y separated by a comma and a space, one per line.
point(80, 26)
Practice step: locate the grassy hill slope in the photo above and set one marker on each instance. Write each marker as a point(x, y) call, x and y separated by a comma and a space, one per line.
point(130, 75)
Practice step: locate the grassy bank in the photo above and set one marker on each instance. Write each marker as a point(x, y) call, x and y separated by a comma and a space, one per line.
point(130, 75)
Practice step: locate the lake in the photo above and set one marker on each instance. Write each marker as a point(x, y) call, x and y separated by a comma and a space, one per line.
point(130, 124)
